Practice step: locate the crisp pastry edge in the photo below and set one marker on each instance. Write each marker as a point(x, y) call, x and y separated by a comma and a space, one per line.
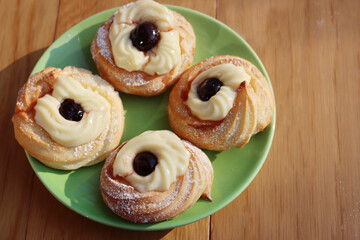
point(180, 115)
point(39, 144)
point(110, 185)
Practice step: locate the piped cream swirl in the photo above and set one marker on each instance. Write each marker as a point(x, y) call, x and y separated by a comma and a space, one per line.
point(159, 60)
point(125, 54)
point(166, 55)
point(173, 160)
point(145, 11)
point(219, 105)
point(71, 133)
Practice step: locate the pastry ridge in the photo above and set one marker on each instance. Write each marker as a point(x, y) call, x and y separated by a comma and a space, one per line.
point(252, 109)
point(38, 143)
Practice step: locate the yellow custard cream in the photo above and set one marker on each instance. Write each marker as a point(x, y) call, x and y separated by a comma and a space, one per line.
point(219, 105)
point(160, 59)
point(71, 133)
point(126, 56)
point(145, 11)
point(173, 160)
point(166, 54)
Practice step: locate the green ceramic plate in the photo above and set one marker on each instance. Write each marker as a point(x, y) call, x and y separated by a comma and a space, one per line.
point(233, 169)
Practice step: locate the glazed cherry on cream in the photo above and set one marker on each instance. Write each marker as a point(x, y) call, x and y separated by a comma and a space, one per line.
point(70, 110)
point(213, 91)
point(208, 88)
point(145, 36)
point(152, 160)
point(145, 163)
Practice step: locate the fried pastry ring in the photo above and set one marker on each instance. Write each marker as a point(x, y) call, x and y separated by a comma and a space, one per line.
point(154, 206)
point(251, 112)
point(41, 144)
point(139, 82)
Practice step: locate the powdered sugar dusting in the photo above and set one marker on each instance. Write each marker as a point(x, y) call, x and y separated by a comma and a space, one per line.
point(251, 112)
point(152, 206)
point(136, 79)
point(104, 46)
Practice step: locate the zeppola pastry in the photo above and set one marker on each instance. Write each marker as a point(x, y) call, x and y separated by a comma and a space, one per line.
point(68, 118)
point(220, 103)
point(155, 176)
point(143, 48)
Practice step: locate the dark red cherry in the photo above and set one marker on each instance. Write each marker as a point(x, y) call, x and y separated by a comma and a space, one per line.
point(145, 163)
point(70, 110)
point(208, 88)
point(145, 36)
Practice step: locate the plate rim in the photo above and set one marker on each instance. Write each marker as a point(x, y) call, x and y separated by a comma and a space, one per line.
point(234, 195)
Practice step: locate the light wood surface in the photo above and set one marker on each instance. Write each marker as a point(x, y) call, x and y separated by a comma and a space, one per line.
point(309, 186)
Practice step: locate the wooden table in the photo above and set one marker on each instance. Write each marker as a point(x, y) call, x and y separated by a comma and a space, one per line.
point(309, 186)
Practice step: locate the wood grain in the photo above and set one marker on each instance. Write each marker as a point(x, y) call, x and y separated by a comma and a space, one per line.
point(20, 49)
point(309, 185)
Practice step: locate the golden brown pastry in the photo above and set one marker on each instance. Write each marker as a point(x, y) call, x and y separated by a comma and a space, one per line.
point(143, 48)
point(68, 118)
point(220, 103)
point(155, 176)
